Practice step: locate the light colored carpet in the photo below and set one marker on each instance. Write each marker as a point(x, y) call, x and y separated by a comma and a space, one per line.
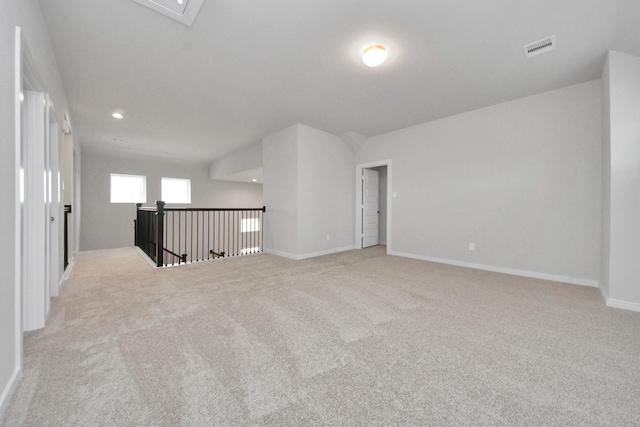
point(352, 339)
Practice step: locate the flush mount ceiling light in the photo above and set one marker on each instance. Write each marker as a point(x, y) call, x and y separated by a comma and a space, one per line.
point(374, 55)
point(118, 114)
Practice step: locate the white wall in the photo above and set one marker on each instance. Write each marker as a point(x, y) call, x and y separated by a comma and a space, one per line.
point(280, 189)
point(521, 180)
point(66, 160)
point(605, 232)
point(240, 161)
point(621, 282)
point(27, 15)
point(9, 366)
point(110, 225)
point(308, 191)
point(325, 192)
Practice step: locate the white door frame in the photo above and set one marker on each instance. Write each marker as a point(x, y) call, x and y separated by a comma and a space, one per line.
point(371, 178)
point(18, 197)
point(359, 201)
point(53, 199)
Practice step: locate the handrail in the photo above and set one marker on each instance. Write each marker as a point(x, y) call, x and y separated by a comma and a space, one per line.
point(183, 257)
point(155, 209)
point(263, 209)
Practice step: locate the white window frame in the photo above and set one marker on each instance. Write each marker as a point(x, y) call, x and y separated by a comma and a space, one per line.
point(137, 189)
point(184, 199)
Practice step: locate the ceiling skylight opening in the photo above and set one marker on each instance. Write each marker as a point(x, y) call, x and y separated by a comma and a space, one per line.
point(184, 11)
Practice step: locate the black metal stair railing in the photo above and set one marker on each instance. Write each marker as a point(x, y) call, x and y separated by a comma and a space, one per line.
point(178, 235)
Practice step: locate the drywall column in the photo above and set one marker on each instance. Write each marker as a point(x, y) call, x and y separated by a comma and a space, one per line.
point(325, 193)
point(620, 282)
point(308, 191)
point(280, 191)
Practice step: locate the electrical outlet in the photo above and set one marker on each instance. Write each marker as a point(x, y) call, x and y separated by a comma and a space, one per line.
point(472, 246)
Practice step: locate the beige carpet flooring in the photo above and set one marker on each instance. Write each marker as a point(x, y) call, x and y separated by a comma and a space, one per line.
point(352, 339)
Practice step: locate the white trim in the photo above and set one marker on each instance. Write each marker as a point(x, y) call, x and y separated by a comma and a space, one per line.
point(66, 274)
point(281, 254)
point(9, 390)
point(309, 255)
point(358, 205)
point(603, 293)
point(10, 387)
point(515, 272)
point(625, 305)
point(616, 303)
point(146, 257)
point(187, 17)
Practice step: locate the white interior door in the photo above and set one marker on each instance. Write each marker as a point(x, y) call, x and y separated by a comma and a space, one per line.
point(370, 208)
point(35, 292)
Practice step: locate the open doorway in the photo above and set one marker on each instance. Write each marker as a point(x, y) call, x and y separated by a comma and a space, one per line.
point(373, 204)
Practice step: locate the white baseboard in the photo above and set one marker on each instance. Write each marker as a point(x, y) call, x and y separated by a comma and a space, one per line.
point(603, 293)
point(65, 275)
point(616, 303)
point(309, 255)
point(625, 305)
point(9, 390)
point(281, 254)
point(146, 257)
point(515, 272)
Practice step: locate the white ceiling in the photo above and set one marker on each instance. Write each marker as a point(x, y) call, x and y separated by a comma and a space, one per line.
point(246, 69)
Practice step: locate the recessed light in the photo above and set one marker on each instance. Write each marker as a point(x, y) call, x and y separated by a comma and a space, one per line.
point(254, 180)
point(374, 55)
point(118, 114)
point(180, 1)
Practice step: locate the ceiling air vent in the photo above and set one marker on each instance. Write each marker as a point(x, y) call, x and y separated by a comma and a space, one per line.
point(541, 46)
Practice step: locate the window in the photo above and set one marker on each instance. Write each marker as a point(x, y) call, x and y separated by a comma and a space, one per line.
point(248, 225)
point(176, 190)
point(128, 188)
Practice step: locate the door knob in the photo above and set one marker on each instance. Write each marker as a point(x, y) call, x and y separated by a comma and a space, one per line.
point(52, 218)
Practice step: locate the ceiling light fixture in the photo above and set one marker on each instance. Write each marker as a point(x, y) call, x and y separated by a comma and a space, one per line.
point(118, 114)
point(374, 55)
point(254, 180)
